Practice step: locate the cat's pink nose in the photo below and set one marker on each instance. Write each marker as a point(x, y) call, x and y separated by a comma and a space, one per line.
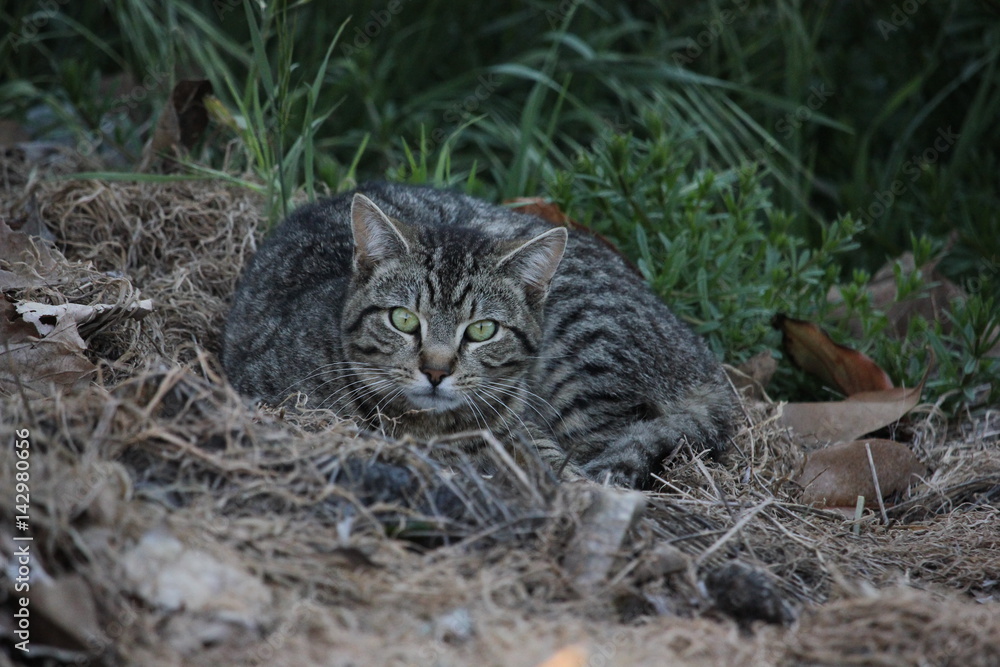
point(435, 375)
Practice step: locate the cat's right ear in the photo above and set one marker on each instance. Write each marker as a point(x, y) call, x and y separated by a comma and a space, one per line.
point(376, 237)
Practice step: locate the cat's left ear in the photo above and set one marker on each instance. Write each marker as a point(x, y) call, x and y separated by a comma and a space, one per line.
point(536, 261)
point(376, 237)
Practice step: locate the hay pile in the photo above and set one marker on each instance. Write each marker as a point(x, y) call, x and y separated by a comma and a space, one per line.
point(174, 523)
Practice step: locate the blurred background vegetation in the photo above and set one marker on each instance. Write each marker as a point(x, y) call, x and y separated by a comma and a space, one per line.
point(747, 155)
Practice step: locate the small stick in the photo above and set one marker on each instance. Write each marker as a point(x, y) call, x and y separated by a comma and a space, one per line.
point(732, 531)
point(600, 535)
point(878, 491)
point(858, 510)
point(503, 455)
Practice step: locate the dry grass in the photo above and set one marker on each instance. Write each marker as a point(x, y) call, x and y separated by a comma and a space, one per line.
point(159, 459)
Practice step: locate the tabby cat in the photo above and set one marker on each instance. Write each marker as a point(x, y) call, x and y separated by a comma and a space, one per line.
point(425, 312)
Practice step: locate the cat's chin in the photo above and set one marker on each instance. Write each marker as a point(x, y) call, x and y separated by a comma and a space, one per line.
point(436, 402)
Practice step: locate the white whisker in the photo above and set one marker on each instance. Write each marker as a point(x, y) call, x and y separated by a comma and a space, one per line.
point(529, 398)
point(360, 393)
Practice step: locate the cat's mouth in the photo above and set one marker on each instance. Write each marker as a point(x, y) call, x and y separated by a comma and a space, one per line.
point(434, 399)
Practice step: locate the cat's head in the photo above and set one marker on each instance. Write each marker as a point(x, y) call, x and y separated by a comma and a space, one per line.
point(443, 319)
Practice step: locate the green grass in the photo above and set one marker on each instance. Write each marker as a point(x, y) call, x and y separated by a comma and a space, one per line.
point(746, 155)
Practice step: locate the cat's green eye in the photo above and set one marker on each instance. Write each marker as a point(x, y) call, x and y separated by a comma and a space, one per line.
point(404, 320)
point(481, 330)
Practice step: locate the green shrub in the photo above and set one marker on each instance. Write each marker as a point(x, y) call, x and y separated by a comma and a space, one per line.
point(713, 246)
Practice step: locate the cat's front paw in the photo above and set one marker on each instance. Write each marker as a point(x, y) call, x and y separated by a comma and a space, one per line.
point(615, 474)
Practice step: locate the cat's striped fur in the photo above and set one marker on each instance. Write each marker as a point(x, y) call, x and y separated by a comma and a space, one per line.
point(586, 361)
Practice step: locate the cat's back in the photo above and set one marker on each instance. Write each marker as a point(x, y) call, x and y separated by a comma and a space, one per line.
point(292, 288)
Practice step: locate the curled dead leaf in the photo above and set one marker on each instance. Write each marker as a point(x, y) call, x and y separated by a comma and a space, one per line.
point(812, 350)
point(41, 344)
point(835, 476)
point(45, 317)
point(181, 123)
point(841, 421)
point(62, 612)
point(36, 360)
point(188, 98)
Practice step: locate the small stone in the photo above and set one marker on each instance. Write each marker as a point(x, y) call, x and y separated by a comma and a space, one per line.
point(456, 626)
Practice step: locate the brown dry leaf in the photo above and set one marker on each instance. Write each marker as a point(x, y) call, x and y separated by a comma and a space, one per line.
point(45, 316)
point(570, 656)
point(41, 344)
point(932, 303)
point(64, 614)
point(26, 261)
point(841, 421)
point(188, 98)
point(812, 350)
point(36, 355)
point(27, 218)
point(545, 210)
point(837, 475)
point(181, 123)
point(166, 135)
